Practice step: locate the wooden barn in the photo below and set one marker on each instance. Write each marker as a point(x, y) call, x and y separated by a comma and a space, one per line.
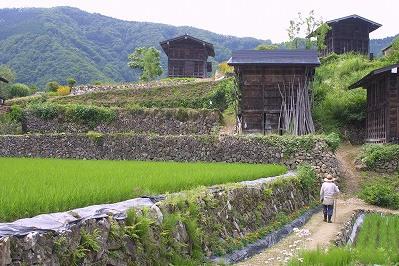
point(382, 87)
point(2, 100)
point(349, 34)
point(187, 57)
point(274, 90)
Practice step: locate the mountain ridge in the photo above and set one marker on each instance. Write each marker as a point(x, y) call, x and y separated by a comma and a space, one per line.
point(45, 44)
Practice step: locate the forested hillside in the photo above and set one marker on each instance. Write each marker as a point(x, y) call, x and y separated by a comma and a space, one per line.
point(53, 44)
point(377, 45)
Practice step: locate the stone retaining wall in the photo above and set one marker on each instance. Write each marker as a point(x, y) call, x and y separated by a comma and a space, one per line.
point(156, 121)
point(269, 149)
point(184, 227)
point(387, 167)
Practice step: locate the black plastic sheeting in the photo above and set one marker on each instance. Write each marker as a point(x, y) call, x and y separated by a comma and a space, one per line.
point(266, 242)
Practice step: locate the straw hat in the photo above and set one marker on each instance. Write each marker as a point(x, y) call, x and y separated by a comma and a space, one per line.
point(329, 178)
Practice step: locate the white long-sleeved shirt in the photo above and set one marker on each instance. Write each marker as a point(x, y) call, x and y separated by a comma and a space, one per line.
point(327, 192)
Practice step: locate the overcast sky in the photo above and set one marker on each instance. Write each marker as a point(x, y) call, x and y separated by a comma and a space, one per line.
point(244, 18)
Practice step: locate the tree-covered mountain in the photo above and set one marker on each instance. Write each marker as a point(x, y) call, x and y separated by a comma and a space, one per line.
point(377, 45)
point(42, 44)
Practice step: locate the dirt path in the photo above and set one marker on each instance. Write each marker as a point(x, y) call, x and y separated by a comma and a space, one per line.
point(346, 156)
point(317, 233)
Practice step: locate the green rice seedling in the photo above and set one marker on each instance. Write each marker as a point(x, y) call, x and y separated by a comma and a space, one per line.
point(33, 186)
point(332, 257)
point(376, 244)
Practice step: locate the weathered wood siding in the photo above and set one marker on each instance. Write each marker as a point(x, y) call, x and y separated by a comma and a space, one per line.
point(393, 111)
point(347, 36)
point(383, 108)
point(187, 58)
point(261, 99)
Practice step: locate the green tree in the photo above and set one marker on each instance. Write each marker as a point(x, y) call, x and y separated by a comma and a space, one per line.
point(19, 90)
point(148, 61)
point(321, 34)
point(266, 46)
point(294, 30)
point(71, 82)
point(9, 75)
point(53, 86)
point(303, 26)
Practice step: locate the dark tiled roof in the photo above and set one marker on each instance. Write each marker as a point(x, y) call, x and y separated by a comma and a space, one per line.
point(372, 25)
point(274, 57)
point(3, 79)
point(373, 73)
point(208, 45)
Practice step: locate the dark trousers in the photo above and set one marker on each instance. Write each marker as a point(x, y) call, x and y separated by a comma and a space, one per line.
point(328, 210)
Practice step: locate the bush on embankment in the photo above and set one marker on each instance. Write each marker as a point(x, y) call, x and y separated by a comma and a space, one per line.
point(382, 191)
point(376, 156)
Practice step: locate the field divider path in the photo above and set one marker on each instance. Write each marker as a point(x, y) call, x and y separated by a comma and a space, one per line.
point(60, 221)
point(268, 241)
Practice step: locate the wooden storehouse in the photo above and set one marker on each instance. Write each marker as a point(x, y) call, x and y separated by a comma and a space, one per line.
point(2, 100)
point(274, 90)
point(382, 87)
point(187, 56)
point(387, 50)
point(349, 34)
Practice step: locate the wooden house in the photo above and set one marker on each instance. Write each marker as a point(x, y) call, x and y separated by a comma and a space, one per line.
point(187, 56)
point(349, 34)
point(274, 90)
point(382, 87)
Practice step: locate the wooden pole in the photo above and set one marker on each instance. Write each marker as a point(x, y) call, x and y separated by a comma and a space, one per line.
point(335, 210)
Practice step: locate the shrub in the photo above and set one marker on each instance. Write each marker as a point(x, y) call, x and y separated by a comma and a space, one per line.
point(45, 110)
point(10, 123)
point(381, 192)
point(19, 90)
point(16, 113)
point(224, 68)
point(53, 86)
point(307, 176)
point(333, 140)
point(373, 155)
point(63, 90)
point(89, 114)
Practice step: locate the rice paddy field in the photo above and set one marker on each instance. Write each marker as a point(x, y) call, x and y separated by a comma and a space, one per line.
point(34, 186)
point(377, 243)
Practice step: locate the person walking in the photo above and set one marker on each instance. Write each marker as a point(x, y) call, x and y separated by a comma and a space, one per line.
point(328, 192)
